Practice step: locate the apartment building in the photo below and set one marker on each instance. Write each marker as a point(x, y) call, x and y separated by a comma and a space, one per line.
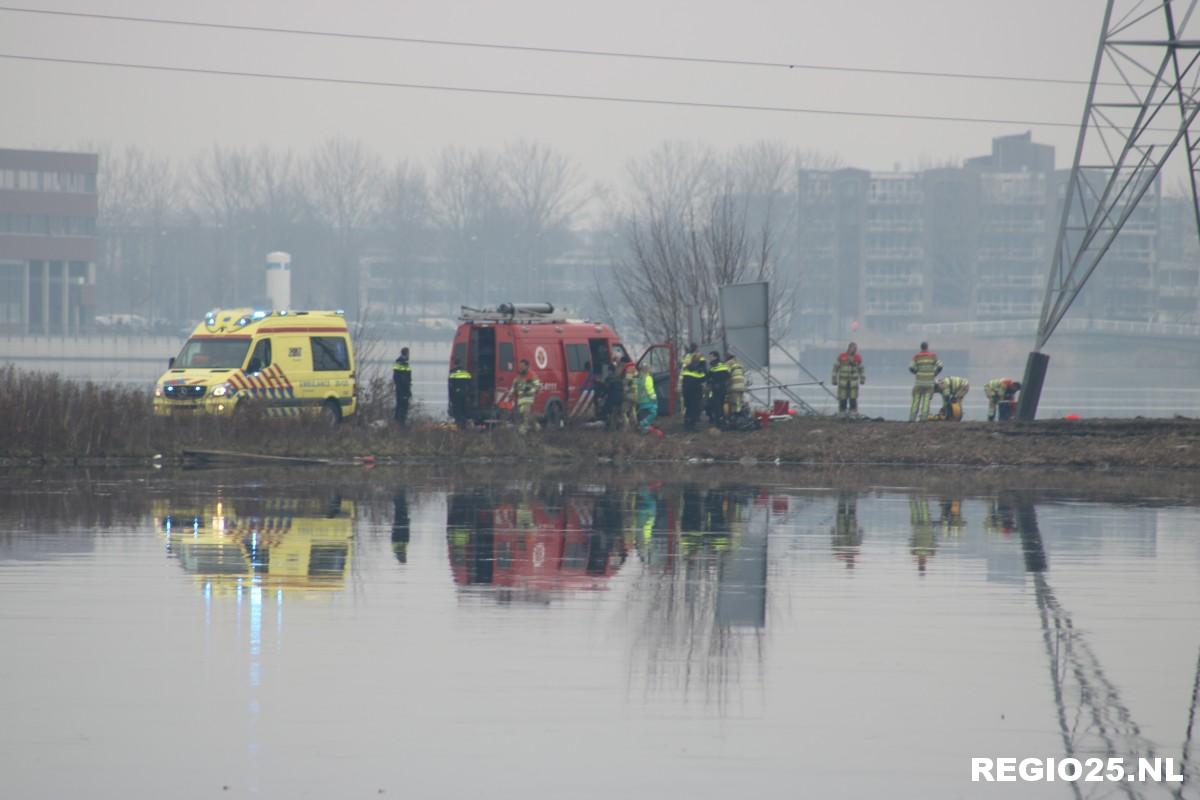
point(882, 250)
point(862, 251)
point(895, 263)
point(48, 209)
point(1177, 278)
point(831, 215)
point(1125, 285)
point(1015, 227)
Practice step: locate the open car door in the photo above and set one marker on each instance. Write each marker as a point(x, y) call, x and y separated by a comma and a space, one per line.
point(661, 358)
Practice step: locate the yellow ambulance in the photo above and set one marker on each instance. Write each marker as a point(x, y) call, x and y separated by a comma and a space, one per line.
point(286, 362)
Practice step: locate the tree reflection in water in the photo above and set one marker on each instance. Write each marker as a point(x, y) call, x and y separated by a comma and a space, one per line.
point(700, 599)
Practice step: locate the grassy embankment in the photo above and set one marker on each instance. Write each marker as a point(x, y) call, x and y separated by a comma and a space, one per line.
point(44, 418)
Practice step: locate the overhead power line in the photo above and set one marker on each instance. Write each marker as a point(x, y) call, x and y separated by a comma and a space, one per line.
point(548, 95)
point(550, 50)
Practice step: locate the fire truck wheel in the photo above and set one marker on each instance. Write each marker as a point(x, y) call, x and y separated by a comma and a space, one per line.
point(331, 412)
point(554, 415)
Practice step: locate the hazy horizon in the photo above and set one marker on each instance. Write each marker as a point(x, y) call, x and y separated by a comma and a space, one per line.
point(62, 106)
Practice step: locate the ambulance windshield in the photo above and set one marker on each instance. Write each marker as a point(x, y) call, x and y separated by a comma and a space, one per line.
point(213, 354)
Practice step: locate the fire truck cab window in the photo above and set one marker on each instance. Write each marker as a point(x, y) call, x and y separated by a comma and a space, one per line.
point(507, 362)
point(261, 358)
point(577, 357)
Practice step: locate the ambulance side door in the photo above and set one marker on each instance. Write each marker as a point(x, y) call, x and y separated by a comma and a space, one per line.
point(291, 357)
point(331, 366)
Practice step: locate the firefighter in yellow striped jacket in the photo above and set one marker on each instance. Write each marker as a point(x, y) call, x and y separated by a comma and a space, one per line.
point(736, 398)
point(1001, 396)
point(953, 391)
point(525, 389)
point(848, 374)
point(925, 367)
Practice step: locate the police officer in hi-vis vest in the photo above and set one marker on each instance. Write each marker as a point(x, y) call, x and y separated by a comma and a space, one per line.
point(402, 381)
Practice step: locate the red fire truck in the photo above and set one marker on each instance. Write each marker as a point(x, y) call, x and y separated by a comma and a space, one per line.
point(566, 355)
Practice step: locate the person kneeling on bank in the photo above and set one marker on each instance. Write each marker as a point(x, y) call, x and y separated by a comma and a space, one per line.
point(953, 390)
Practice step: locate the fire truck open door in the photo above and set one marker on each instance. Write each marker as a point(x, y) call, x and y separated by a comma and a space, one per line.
point(661, 358)
point(482, 365)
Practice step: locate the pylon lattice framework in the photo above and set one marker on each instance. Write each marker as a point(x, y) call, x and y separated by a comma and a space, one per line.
point(1141, 103)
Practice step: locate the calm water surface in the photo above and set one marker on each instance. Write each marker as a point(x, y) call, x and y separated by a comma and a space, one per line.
point(309, 634)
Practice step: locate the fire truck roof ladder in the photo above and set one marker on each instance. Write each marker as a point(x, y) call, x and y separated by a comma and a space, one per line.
point(511, 312)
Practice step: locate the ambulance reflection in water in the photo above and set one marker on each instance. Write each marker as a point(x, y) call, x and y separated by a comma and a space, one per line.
point(529, 542)
point(288, 545)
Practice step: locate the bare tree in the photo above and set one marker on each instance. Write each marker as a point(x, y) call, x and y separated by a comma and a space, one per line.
point(225, 191)
point(467, 202)
point(404, 222)
point(280, 201)
point(695, 221)
point(545, 191)
point(344, 190)
point(138, 193)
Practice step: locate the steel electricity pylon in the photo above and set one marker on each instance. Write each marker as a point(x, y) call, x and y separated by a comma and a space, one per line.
point(1141, 104)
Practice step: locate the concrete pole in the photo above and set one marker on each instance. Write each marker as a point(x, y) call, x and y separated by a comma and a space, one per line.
point(25, 297)
point(66, 298)
point(45, 298)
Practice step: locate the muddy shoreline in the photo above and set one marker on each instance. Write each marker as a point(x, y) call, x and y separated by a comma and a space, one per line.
point(1162, 445)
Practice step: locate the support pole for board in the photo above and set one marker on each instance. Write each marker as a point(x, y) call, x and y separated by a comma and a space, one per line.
point(1031, 385)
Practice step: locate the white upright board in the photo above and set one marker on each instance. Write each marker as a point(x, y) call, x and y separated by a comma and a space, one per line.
point(745, 308)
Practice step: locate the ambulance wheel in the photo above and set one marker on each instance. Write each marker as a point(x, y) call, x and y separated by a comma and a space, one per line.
point(331, 412)
point(554, 415)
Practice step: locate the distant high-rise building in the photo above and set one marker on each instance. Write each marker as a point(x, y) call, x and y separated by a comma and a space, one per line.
point(1124, 285)
point(1014, 153)
point(1015, 227)
point(1178, 273)
point(48, 208)
point(831, 213)
point(973, 243)
point(862, 251)
point(896, 267)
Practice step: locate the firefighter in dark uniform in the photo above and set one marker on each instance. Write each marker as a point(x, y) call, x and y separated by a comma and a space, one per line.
point(402, 380)
point(460, 386)
point(693, 390)
point(718, 387)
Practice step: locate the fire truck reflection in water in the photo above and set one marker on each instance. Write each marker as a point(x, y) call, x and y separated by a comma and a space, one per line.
point(532, 541)
point(287, 545)
point(535, 542)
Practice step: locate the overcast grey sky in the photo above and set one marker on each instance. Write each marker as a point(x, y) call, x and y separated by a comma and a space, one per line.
point(60, 106)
